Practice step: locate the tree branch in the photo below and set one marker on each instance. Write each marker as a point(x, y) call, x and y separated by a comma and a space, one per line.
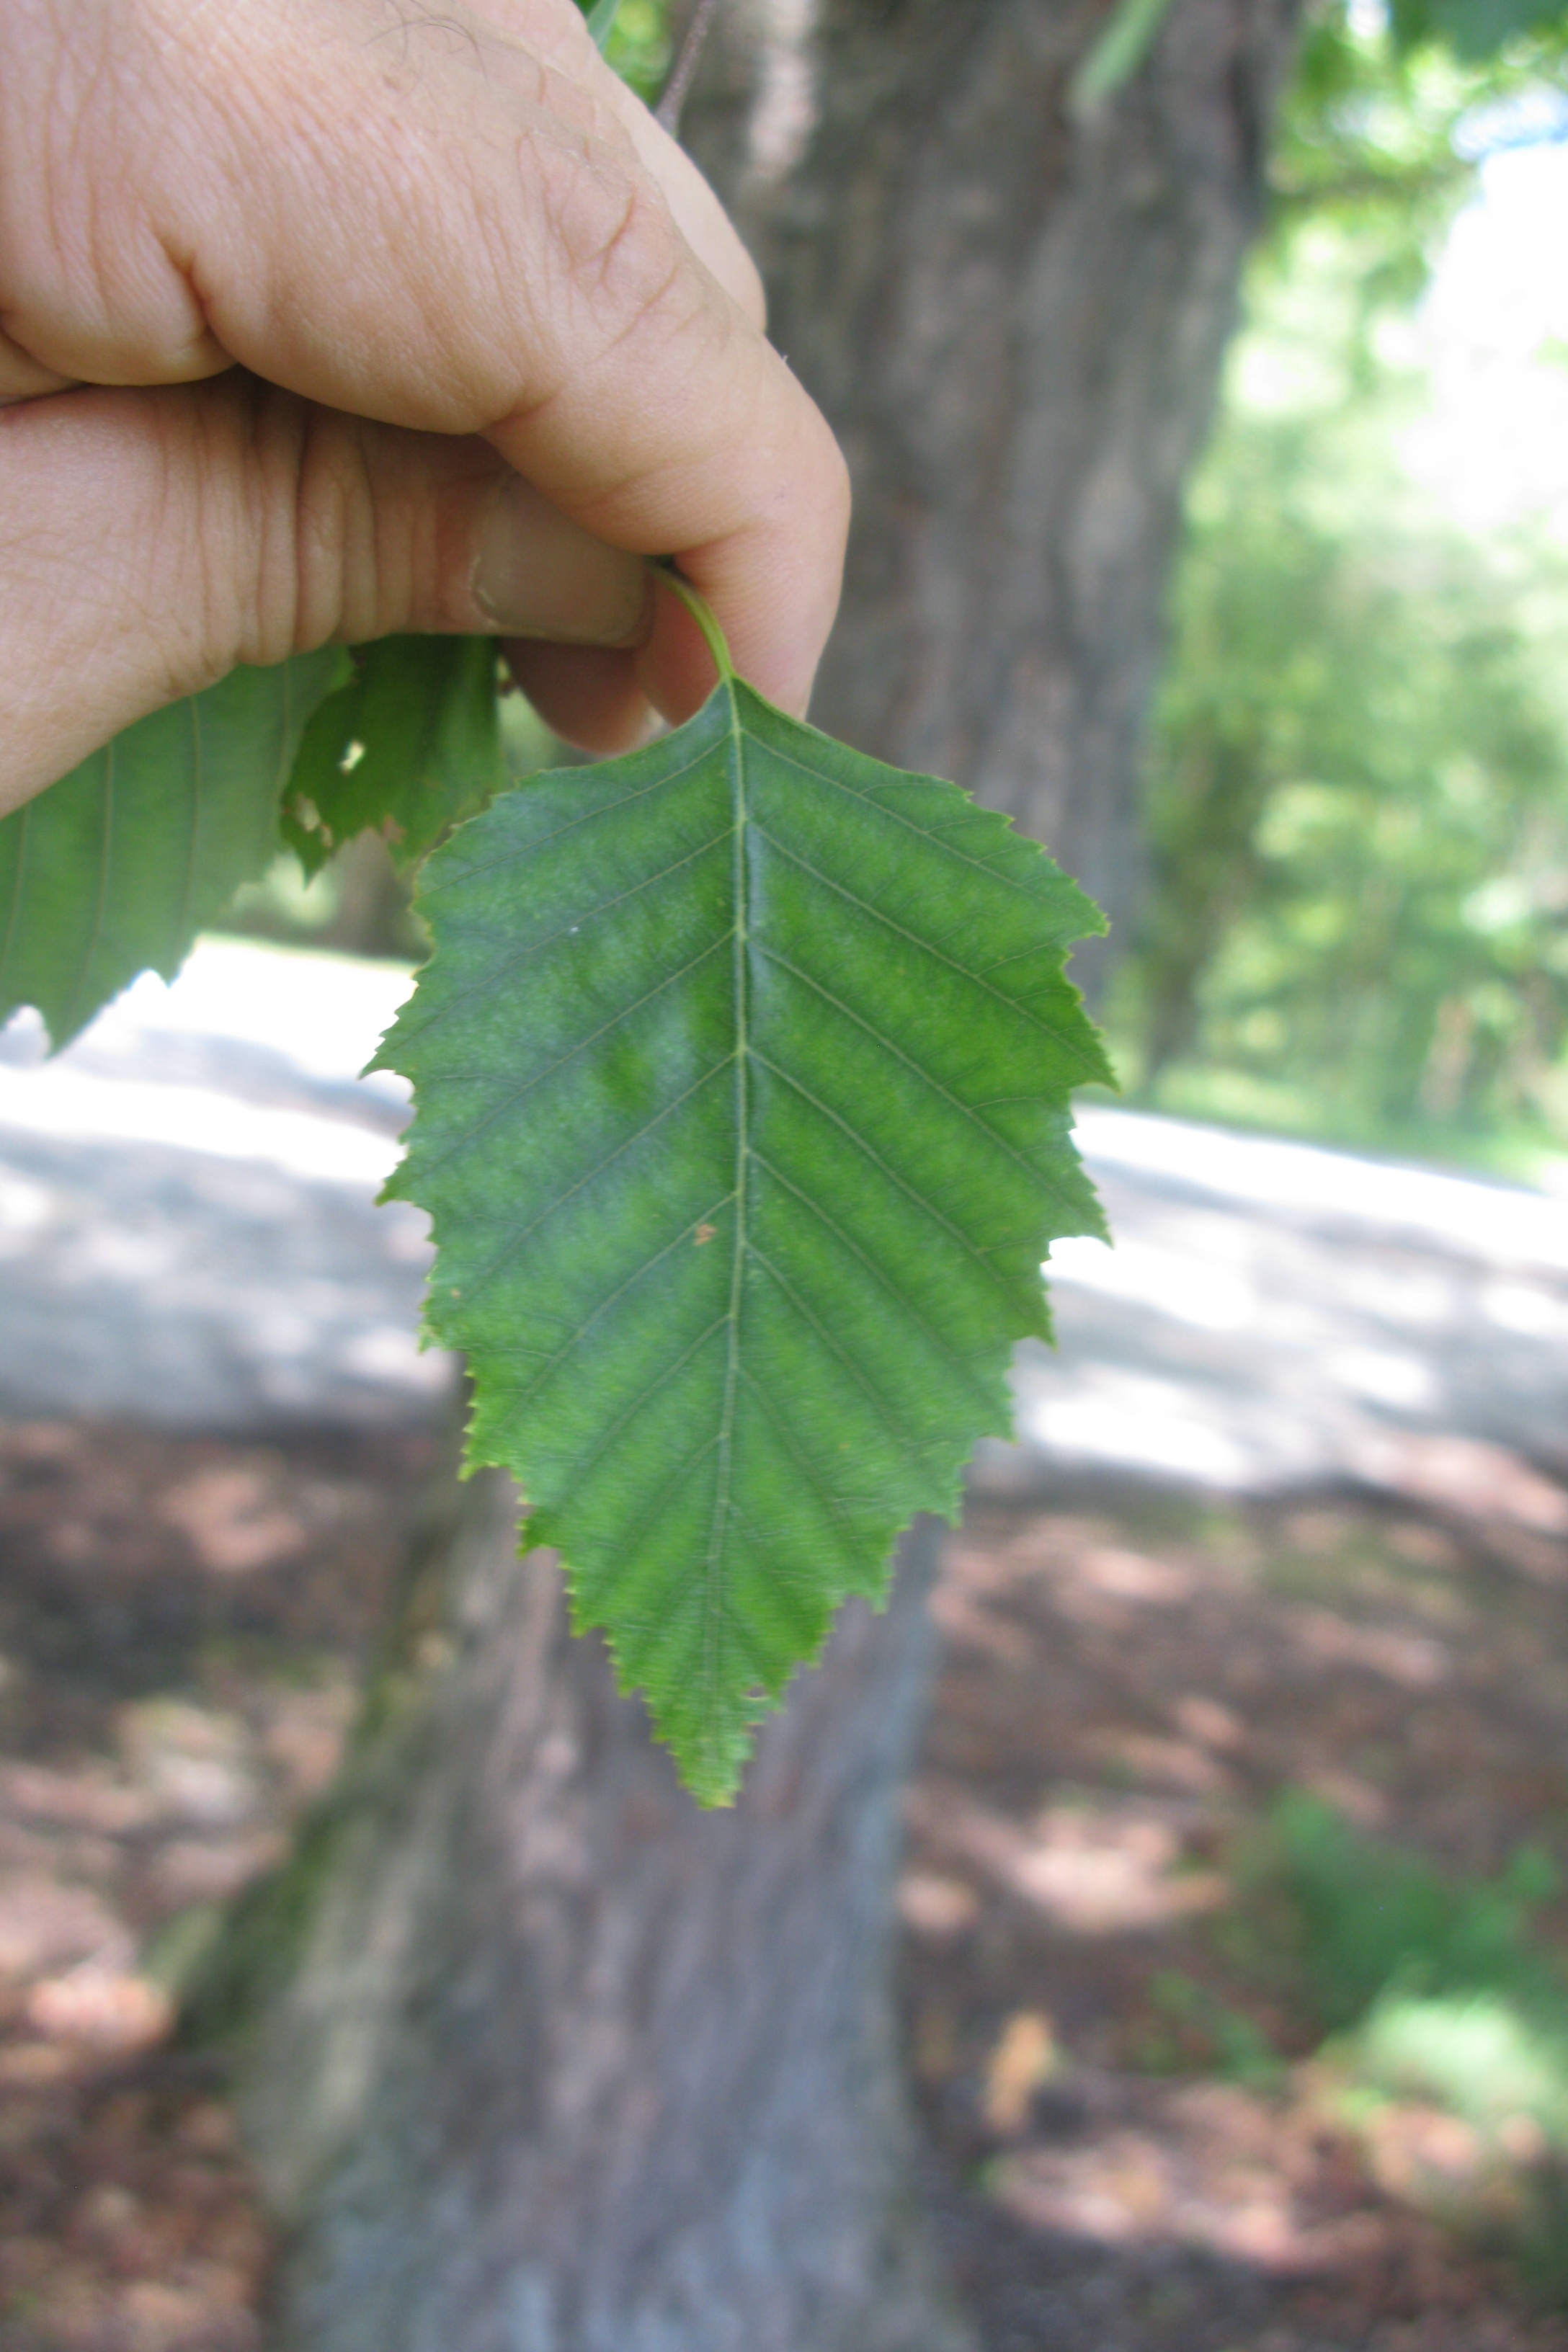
point(682, 73)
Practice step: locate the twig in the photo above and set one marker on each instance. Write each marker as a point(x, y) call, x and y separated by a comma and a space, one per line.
point(672, 98)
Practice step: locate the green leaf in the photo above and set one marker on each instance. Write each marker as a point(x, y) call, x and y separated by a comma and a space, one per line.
point(407, 747)
point(1117, 55)
point(115, 868)
point(743, 1069)
point(601, 18)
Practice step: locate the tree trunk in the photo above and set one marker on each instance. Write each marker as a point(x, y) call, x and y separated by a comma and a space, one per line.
point(553, 2062)
point(541, 2059)
point(1015, 323)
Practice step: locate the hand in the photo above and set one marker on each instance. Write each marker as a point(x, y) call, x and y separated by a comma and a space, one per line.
point(324, 319)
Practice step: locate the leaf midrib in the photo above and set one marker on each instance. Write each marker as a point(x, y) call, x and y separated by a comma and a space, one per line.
point(713, 1581)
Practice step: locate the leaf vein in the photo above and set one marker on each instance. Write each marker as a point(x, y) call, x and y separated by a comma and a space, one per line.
point(1035, 1175)
point(553, 1362)
point(627, 1539)
point(925, 833)
point(517, 1240)
point(900, 1298)
point(907, 1441)
point(490, 978)
point(517, 1094)
point(643, 1398)
point(875, 1158)
point(543, 840)
point(802, 1462)
point(926, 947)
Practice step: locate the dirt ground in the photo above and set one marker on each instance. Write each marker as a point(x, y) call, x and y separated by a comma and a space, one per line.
point(1133, 2144)
point(1129, 1682)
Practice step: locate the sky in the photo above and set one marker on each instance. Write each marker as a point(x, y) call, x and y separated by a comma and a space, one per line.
point(1493, 332)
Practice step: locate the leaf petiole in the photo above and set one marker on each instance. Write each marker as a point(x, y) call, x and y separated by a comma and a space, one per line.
point(702, 612)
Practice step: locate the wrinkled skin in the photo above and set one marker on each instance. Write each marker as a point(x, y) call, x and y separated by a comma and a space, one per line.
point(324, 319)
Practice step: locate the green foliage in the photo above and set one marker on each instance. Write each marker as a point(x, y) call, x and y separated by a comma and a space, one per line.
point(1436, 1988)
point(1431, 45)
point(116, 867)
point(1331, 67)
point(1481, 2055)
point(409, 746)
point(1472, 29)
point(1360, 818)
point(742, 1068)
point(1359, 805)
point(1116, 55)
point(359, 902)
point(634, 37)
point(1355, 1921)
point(1192, 2030)
point(1365, 145)
point(1372, 143)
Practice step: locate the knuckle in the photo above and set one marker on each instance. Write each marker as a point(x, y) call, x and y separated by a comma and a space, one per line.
point(182, 539)
point(86, 126)
point(328, 526)
point(323, 565)
point(270, 530)
point(621, 256)
point(314, 527)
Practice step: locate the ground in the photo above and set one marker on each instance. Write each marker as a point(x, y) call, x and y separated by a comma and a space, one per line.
point(1136, 2141)
point(1130, 1683)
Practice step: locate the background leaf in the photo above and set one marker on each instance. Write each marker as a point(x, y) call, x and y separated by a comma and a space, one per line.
point(115, 868)
point(743, 1069)
point(410, 744)
point(1127, 39)
point(601, 18)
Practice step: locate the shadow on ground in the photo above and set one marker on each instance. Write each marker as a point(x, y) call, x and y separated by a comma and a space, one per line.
point(1137, 2140)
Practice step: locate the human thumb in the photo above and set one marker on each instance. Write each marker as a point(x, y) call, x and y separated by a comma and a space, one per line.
point(153, 539)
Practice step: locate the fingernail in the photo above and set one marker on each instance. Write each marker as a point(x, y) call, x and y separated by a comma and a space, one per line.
point(539, 575)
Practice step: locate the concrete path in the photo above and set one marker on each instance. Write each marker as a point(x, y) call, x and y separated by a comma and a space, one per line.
point(1273, 1316)
point(188, 1235)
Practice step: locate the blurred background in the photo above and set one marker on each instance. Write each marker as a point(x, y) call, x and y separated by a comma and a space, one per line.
point(1355, 921)
point(1234, 1975)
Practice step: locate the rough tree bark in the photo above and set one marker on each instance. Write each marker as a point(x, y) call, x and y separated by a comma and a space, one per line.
point(1015, 323)
point(552, 2061)
point(538, 2058)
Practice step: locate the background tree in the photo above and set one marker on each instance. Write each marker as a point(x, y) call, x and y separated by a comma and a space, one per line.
point(1359, 814)
point(1013, 312)
point(536, 2054)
